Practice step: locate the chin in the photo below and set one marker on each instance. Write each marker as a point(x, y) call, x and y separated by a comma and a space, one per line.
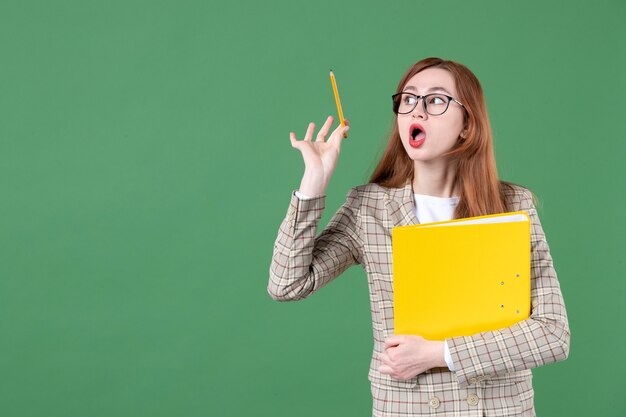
point(420, 158)
point(415, 153)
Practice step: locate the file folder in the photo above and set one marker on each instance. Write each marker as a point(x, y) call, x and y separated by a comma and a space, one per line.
point(461, 277)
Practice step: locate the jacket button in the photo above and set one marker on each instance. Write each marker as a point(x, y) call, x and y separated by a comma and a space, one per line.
point(472, 399)
point(434, 402)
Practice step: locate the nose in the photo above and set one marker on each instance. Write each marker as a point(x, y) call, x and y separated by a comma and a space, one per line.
point(419, 110)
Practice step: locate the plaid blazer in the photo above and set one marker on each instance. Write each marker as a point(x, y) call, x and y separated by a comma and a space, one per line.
point(492, 366)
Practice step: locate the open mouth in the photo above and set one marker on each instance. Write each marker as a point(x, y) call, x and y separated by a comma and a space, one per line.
point(418, 135)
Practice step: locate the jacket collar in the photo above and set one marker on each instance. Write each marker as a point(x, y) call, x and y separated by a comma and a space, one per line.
point(400, 205)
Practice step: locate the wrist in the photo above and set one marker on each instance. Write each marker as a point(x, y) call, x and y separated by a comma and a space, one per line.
point(439, 359)
point(312, 184)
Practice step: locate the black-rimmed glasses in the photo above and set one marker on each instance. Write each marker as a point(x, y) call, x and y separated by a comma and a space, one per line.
point(433, 104)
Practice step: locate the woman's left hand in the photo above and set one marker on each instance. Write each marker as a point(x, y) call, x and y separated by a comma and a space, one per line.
point(406, 356)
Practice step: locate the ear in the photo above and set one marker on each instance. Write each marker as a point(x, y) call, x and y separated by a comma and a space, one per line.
point(462, 136)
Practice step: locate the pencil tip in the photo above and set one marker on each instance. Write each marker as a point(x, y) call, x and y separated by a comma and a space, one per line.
point(331, 70)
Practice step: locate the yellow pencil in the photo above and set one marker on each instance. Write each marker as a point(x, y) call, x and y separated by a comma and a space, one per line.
point(337, 101)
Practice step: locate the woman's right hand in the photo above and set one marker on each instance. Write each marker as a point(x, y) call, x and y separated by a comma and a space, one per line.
point(320, 156)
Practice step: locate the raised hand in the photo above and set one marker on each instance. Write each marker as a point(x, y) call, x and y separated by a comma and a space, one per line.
point(320, 156)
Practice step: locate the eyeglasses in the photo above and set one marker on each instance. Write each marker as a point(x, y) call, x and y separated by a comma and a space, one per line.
point(433, 104)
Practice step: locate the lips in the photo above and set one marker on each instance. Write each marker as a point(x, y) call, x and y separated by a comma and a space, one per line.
point(417, 135)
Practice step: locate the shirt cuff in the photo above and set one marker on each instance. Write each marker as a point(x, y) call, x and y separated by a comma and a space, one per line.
point(447, 356)
point(303, 196)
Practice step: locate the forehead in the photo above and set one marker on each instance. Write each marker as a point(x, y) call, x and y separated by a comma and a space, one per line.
point(429, 78)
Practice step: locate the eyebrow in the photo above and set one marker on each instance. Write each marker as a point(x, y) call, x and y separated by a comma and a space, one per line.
point(429, 90)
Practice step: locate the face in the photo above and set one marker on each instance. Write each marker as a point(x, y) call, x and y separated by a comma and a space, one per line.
point(439, 133)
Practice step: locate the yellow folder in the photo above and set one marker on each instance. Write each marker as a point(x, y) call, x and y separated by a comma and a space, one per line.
point(461, 277)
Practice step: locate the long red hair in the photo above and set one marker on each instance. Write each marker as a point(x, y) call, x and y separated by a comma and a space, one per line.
point(482, 193)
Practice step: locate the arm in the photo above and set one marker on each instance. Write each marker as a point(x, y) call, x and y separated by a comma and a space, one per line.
point(541, 339)
point(301, 263)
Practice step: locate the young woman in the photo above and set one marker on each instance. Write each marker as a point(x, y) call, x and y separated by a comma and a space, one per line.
point(438, 165)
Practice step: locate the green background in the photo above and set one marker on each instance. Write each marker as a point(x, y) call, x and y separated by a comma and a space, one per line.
point(145, 166)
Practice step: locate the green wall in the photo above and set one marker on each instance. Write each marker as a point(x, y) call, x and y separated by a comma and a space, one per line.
point(145, 166)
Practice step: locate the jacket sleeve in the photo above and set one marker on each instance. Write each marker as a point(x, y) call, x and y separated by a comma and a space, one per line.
point(541, 339)
point(302, 263)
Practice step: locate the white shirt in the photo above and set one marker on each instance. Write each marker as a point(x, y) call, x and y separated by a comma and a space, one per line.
point(429, 209)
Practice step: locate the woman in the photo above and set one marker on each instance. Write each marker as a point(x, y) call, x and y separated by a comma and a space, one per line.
point(438, 165)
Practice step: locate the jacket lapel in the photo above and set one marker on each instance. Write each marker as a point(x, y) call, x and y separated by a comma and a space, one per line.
point(400, 206)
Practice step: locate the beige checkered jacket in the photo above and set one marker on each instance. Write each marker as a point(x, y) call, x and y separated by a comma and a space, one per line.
point(492, 366)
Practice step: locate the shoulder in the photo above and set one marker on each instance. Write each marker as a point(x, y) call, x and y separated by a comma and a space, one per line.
point(371, 190)
point(372, 194)
point(372, 198)
point(518, 197)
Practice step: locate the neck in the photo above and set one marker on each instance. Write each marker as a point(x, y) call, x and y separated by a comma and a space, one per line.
point(435, 178)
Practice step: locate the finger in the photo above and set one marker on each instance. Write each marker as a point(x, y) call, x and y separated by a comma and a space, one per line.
point(391, 341)
point(309, 132)
point(394, 340)
point(384, 369)
point(345, 132)
point(321, 136)
point(337, 134)
point(295, 143)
